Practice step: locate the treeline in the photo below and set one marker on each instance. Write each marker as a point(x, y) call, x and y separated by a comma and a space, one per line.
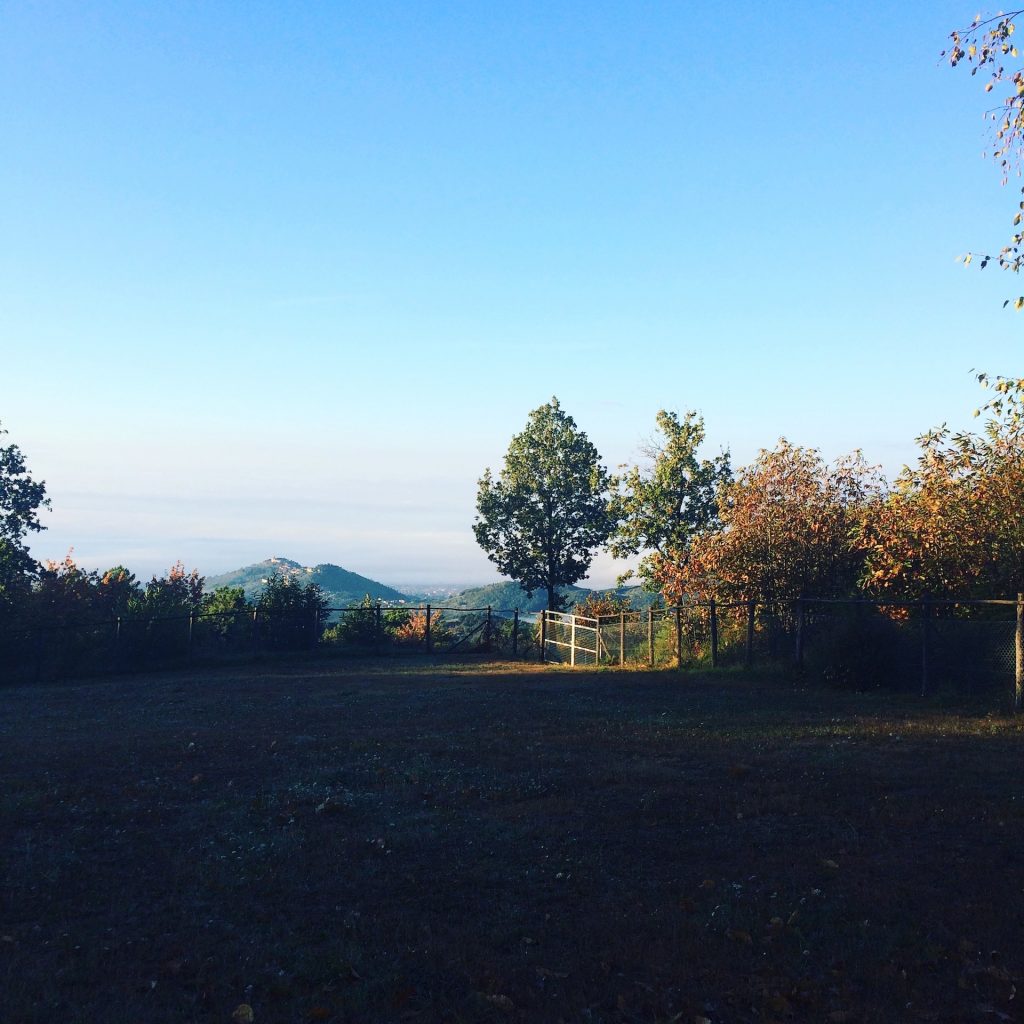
point(788, 525)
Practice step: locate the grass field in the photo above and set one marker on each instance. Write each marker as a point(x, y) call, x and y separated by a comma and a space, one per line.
point(500, 843)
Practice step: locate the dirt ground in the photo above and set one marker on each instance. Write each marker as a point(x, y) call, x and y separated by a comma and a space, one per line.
point(324, 842)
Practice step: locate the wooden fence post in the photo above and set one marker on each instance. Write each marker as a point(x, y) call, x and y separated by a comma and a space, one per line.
point(1018, 685)
point(487, 631)
point(650, 637)
point(378, 626)
point(515, 633)
point(428, 641)
point(188, 646)
point(543, 636)
point(256, 628)
point(622, 638)
point(714, 633)
point(679, 638)
point(572, 641)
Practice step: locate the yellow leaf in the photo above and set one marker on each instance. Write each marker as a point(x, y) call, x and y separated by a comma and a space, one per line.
point(1018, 303)
point(243, 1014)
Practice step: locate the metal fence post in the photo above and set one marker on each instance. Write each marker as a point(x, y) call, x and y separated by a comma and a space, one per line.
point(572, 641)
point(622, 639)
point(650, 637)
point(256, 628)
point(679, 638)
point(428, 642)
point(801, 621)
point(750, 632)
point(713, 615)
point(515, 633)
point(1018, 685)
point(188, 645)
point(543, 636)
point(487, 630)
point(926, 617)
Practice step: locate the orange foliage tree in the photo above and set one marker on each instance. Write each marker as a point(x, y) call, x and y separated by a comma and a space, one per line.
point(954, 523)
point(412, 629)
point(789, 523)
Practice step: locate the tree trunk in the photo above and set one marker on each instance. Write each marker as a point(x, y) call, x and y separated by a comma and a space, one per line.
point(552, 607)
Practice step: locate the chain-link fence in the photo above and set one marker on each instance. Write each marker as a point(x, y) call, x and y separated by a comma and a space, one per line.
point(961, 646)
point(70, 649)
point(928, 646)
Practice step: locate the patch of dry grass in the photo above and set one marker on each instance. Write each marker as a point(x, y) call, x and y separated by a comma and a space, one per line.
point(499, 843)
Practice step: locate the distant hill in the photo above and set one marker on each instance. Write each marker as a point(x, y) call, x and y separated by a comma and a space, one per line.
point(342, 587)
point(510, 595)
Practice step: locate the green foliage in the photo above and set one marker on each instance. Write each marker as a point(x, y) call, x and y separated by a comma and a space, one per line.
point(601, 602)
point(226, 613)
point(224, 601)
point(17, 570)
point(119, 592)
point(359, 626)
point(542, 518)
point(21, 498)
point(290, 615)
point(659, 512)
point(178, 593)
point(65, 594)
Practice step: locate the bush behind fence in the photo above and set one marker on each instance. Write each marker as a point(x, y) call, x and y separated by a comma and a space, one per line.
point(128, 644)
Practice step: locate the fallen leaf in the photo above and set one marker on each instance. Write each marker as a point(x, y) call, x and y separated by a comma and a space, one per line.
point(243, 1014)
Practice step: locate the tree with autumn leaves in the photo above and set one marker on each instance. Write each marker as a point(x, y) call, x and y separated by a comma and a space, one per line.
point(954, 523)
point(788, 524)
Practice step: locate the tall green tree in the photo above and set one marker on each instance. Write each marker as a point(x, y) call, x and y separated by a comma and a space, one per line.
point(543, 517)
point(659, 512)
point(21, 499)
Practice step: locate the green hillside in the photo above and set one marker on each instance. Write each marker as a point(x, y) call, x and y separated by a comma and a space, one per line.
point(341, 586)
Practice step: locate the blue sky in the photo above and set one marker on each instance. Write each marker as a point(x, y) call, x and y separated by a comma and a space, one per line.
point(284, 278)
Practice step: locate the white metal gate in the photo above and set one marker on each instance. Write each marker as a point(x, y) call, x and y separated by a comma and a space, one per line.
point(570, 639)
